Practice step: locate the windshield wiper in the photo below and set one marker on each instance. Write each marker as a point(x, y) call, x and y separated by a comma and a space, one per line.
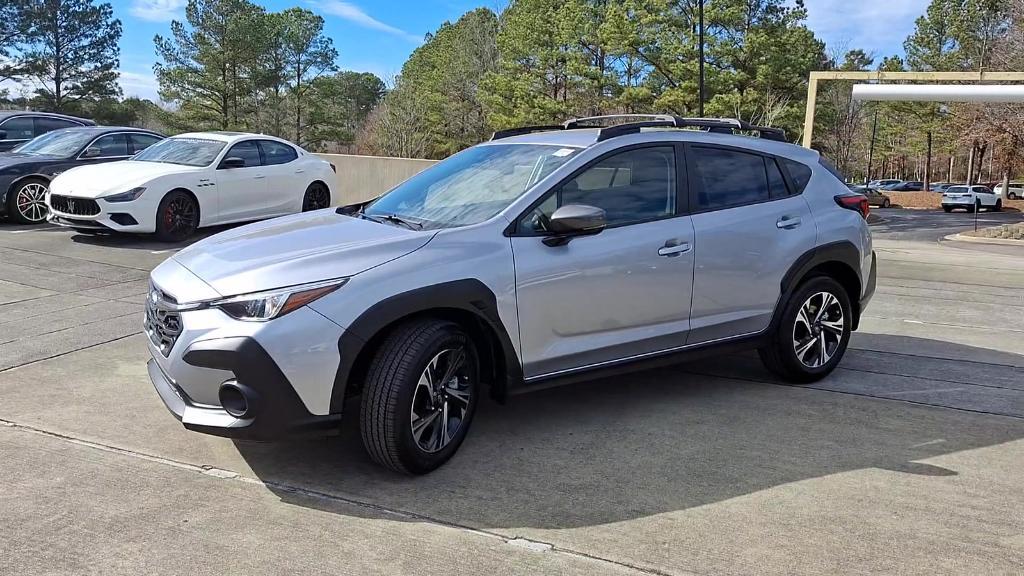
point(399, 220)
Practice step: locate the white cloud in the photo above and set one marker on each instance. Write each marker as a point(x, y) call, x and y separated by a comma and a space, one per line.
point(140, 85)
point(876, 26)
point(157, 10)
point(356, 15)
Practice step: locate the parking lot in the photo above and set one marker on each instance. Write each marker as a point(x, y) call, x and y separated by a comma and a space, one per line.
point(909, 458)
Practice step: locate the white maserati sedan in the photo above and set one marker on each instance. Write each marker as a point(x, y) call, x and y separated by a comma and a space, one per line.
point(192, 180)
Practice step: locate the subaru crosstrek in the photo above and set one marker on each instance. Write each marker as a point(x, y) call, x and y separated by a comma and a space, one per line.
point(546, 254)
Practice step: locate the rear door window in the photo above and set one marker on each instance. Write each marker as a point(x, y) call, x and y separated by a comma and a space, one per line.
point(140, 142)
point(277, 153)
point(111, 145)
point(45, 124)
point(727, 178)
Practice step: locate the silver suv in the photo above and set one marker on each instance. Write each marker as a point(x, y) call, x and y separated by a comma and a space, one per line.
point(548, 254)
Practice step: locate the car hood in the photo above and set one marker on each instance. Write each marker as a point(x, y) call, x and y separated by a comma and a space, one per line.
point(296, 249)
point(98, 179)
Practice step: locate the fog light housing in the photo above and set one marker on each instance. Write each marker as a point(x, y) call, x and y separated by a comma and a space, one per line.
point(237, 399)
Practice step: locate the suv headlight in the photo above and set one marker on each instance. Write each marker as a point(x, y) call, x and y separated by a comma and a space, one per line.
point(263, 306)
point(125, 196)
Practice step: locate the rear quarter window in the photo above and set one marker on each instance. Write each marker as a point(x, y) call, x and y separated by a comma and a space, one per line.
point(799, 173)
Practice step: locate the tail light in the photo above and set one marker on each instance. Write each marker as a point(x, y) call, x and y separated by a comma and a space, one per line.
point(855, 202)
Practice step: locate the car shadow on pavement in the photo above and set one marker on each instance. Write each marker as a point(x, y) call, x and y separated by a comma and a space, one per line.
point(629, 447)
point(144, 241)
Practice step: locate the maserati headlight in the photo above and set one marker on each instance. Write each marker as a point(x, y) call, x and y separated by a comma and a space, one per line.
point(128, 196)
point(263, 306)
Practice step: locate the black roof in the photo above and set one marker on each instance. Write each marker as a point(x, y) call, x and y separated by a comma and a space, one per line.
point(4, 114)
point(98, 130)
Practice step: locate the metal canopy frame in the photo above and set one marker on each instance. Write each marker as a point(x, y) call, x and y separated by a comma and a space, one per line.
point(877, 76)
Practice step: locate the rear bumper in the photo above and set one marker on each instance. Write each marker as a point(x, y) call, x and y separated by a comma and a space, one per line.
point(275, 410)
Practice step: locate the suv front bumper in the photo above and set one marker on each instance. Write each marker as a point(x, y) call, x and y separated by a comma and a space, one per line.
point(275, 410)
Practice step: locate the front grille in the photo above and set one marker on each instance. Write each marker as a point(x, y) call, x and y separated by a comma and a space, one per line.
point(74, 206)
point(162, 323)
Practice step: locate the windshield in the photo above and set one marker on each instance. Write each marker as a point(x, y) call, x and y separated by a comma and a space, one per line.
point(184, 151)
point(958, 190)
point(471, 186)
point(62, 143)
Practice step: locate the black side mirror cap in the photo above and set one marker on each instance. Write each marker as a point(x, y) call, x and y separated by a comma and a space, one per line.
point(574, 220)
point(232, 162)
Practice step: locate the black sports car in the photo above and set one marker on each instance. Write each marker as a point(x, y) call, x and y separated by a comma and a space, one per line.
point(26, 171)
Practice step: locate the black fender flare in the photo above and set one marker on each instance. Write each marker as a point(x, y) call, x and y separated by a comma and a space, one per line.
point(842, 252)
point(469, 296)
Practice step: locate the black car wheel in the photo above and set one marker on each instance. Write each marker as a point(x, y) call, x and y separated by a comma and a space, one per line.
point(317, 197)
point(999, 205)
point(419, 397)
point(812, 334)
point(26, 203)
point(886, 203)
point(177, 217)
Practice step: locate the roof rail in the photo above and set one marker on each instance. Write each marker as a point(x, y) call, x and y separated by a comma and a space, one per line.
point(640, 121)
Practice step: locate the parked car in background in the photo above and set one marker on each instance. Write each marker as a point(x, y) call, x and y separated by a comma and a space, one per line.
point(970, 198)
point(18, 127)
point(905, 186)
point(541, 256)
point(877, 184)
point(942, 186)
point(1013, 192)
point(190, 181)
point(26, 171)
point(874, 196)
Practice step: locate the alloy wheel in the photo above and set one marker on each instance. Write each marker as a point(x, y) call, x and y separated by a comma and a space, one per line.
point(818, 329)
point(180, 216)
point(31, 202)
point(441, 400)
point(317, 198)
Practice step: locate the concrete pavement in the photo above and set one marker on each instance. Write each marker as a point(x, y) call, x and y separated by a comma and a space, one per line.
point(909, 459)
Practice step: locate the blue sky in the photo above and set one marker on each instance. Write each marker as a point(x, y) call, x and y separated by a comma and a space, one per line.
point(378, 35)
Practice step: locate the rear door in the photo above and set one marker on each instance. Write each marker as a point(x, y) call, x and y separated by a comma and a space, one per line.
point(749, 228)
point(242, 192)
point(286, 179)
point(139, 142)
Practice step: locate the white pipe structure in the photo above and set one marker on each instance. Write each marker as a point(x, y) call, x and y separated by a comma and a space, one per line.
point(940, 92)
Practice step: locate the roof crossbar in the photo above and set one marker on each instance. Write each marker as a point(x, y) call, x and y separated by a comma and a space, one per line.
point(640, 121)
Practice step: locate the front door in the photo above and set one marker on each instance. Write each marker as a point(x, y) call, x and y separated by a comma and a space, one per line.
point(749, 226)
point(242, 192)
point(618, 294)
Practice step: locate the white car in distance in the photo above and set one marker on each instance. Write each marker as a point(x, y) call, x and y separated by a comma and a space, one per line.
point(970, 198)
point(191, 181)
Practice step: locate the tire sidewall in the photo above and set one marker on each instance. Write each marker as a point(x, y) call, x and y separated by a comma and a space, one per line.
point(413, 457)
point(314, 187)
point(785, 329)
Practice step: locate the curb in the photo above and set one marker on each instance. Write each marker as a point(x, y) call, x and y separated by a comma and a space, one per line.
point(982, 240)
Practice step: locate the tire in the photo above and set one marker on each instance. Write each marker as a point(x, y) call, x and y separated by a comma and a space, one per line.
point(999, 205)
point(394, 395)
point(975, 208)
point(26, 202)
point(886, 203)
point(947, 209)
point(1012, 196)
point(317, 197)
point(781, 356)
point(177, 217)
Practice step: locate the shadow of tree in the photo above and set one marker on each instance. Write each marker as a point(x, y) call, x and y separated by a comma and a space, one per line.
point(629, 447)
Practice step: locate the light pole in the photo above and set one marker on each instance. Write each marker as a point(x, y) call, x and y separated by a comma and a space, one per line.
point(700, 51)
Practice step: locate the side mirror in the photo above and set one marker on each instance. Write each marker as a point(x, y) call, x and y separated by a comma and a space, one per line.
point(232, 162)
point(574, 220)
point(92, 152)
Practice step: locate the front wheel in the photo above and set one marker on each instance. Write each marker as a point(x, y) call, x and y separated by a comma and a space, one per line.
point(812, 333)
point(886, 203)
point(419, 396)
point(317, 197)
point(999, 206)
point(1012, 196)
point(27, 201)
point(947, 209)
point(177, 217)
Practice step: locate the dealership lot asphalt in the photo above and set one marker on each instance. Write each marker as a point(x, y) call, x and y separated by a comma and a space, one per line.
point(909, 458)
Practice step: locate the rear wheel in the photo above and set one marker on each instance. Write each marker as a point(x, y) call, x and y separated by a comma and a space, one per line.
point(886, 203)
point(947, 209)
point(177, 217)
point(812, 334)
point(999, 205)
point(317, 197)
point(419, 396)
point(26, 203)
point(1012, 195)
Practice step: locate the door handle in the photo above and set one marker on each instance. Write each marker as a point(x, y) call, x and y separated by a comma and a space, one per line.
point(299, 171)
point(672, 248)
point(788, 222)
point(260, 177)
